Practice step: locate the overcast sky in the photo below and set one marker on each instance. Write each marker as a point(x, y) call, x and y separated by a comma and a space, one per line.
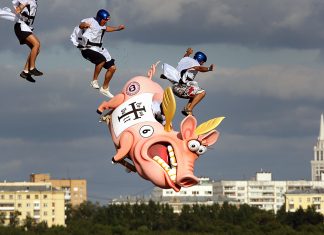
point(268, 83)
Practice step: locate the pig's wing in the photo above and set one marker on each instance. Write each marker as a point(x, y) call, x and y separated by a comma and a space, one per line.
point(169, 108)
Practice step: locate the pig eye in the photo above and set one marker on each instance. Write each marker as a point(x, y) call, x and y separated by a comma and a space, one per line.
point(146, 131)
point(202, 149)
point(193, 145)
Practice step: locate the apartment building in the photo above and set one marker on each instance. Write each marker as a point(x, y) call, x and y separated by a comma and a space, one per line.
point(39, 201)
point(304, 199)
point(75, 189)
point(262, 191)
point(200, 194)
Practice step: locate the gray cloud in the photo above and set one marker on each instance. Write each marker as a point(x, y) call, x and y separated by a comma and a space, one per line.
point(253, 24)
point(269, 24)
point(277, 81)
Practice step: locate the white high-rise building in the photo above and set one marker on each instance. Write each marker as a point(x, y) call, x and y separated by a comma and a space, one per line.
point(318, 162)
point(262, 192)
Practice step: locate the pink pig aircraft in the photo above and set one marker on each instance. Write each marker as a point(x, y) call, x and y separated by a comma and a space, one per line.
point(154, 150)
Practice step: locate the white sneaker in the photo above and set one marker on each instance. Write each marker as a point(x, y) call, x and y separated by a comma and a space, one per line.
point(106, 92)
point(94, 84)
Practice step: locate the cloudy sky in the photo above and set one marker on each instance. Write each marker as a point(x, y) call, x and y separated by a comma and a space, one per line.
point(268, 83)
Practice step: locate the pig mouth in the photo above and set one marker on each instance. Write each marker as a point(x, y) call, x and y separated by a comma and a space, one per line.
point(163, 154)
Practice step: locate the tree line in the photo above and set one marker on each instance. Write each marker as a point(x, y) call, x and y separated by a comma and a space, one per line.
point(158, 219)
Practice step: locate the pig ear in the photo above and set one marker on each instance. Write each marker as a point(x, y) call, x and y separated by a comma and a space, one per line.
point(188, 126)
point(209, 138)
point(151, 71)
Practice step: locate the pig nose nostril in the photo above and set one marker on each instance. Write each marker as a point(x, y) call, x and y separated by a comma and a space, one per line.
point(188, 181)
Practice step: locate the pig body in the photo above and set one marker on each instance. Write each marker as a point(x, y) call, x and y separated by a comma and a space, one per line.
point(157, 152)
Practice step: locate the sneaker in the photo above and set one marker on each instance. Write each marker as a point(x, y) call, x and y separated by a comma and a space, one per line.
point(35, 72)
point(27, 76)
point(23, 75)
point(163, 76)
point(106, 92)
point(94, 84)
point(30, 79)
point(186, 112)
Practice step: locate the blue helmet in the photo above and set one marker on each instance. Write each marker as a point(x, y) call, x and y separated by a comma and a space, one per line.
point(200, 57)
point(102, 14)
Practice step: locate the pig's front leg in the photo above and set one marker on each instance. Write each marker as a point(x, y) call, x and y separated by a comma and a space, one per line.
point(125, 144)
point(111, 104)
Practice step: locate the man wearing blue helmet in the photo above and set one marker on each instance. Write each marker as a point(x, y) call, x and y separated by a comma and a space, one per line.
point(187, 88)
point(90, 44)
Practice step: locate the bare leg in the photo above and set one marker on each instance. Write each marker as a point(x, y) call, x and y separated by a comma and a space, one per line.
point(189, 103)
point(34, 44)
point(108, 76)
point(26, 68)
point(97, 70)
point(194, 101)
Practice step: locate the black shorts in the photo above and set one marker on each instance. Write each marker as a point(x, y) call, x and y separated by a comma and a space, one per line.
point(21, 35)
point(96, 58)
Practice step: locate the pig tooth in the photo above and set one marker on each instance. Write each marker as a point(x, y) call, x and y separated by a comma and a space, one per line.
point(172, 172)
point(173, 178)
point(158, 159)
point(161, 163)
point(155, 158)
point(165, 166)
point(173, 159)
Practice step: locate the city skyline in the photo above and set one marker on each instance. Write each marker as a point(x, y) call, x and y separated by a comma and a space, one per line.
point(268, 84)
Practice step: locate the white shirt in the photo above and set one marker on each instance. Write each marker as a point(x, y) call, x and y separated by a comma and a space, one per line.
point(94, 33)
point(30, 10)
point(186, 63)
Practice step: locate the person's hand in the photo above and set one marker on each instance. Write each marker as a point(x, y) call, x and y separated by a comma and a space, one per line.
point(189, 51)
point(211, 67)
point(121, 27)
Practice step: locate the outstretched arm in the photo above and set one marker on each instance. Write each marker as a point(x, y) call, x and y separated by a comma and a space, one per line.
point(113, 29)
point(111, 104)
point(204, 68)
point(125, 145)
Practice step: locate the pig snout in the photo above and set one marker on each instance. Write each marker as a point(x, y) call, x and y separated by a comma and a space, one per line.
point(185, 176)
point(188, 180)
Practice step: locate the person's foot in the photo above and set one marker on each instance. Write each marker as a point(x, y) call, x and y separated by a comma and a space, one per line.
point(94, 84)
point(163, 76)
point(35, 72)
point(186, 112)
point(24, 75)
point(27, 76)
point(106, 92)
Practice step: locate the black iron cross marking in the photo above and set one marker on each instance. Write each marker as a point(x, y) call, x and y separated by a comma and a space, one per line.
point(137, 110)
